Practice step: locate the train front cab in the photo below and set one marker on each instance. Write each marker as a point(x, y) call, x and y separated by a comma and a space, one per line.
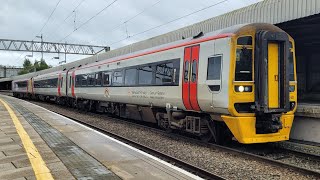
point(264, 94)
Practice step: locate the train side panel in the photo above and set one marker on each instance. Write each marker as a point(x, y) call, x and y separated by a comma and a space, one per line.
point(213, 89)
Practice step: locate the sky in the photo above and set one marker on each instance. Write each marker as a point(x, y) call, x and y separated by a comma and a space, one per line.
point(98, 22)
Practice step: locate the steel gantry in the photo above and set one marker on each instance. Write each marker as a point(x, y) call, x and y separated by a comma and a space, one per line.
point(50, 47)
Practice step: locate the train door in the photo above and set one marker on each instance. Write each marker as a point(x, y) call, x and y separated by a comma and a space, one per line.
point(190, 78)
point(273, 72)
point(69, 84)
point(59, 84)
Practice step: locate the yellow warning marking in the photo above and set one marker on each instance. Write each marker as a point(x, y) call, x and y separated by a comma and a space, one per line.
point(39, 166)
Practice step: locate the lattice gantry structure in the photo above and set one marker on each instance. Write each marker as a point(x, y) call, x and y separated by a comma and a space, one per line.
point(50, 47)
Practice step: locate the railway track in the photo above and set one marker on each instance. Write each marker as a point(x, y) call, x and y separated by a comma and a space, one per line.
point(187, 166)
point(262, 157)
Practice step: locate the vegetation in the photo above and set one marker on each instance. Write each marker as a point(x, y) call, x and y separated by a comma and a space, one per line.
point(28, 67)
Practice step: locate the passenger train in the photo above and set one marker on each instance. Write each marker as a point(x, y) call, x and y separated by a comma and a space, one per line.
point(236, 83)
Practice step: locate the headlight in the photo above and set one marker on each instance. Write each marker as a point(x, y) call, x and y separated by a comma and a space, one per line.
point(243, 88)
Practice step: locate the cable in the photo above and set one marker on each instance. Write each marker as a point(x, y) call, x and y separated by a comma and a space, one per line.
point(69, 15)
point(44, 23)
point(133, 17)
point(81, 25)
point(170, 21)
point(49, 16)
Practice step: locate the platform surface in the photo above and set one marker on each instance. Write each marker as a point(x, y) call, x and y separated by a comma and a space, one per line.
point(71, 150)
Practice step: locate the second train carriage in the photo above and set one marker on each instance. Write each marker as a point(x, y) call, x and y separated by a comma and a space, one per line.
point(240, 80)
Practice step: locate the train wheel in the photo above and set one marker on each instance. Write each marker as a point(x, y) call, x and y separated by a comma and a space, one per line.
point(215, 130)
point(206, 137)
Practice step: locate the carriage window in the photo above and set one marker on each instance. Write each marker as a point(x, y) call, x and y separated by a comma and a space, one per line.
point(130, 77)
point(106, 79)
point(98, 78)
point(91, 79)
point(291, 67)
point(36, 84)
point(214, 68)
point(194, 71)
point(246, 40)
point(72, 81)
point(53, 83)
point(243, 64)
point(84, 80)
point(78, 80)
point(145, 75)
point(186, 71)
point(117, 78)
point(21, 84)
point(61, 82)
point(164, 73)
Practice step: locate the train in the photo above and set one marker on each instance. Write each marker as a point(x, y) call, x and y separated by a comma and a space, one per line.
point(237, 83)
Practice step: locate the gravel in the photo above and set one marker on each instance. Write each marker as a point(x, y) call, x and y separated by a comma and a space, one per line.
point(225, 164)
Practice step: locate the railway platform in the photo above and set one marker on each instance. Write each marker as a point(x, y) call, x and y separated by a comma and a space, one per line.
point(38, 144)
point(307, 123)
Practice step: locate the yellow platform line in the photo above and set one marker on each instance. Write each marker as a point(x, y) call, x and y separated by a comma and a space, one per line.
point(39, 166)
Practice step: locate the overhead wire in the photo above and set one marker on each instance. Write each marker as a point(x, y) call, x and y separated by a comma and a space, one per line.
point(171, 21)
point(81, 25)
point(49, 16)
point(67, 17)
point(54, 9)
point(131, 18)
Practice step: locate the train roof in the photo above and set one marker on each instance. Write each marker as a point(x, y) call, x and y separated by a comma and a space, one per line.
point(269, 11)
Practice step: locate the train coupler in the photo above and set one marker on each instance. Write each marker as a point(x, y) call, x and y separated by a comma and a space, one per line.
point(268, 123)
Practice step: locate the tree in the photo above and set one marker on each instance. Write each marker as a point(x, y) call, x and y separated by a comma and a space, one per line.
point(41, 65)
point(28, 67)
point(27, 64)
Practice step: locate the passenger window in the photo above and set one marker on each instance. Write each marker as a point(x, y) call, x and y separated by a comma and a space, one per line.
point(194, 71)
point(145, 75)
point(164, 73)
point(130, 77)
point(91, 79)
point(78, 80)
point(117, 78)
point(186, 71)
point(246, 40)
point(21, 84)
point(70, 81)
point(243, 64)
point(291, 67)
point(61, 82)
point(84, 80)
point(98, 78)
point(106, 79)
point(214, 68)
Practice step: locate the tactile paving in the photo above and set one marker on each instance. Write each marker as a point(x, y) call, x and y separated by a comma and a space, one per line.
point(79, 162)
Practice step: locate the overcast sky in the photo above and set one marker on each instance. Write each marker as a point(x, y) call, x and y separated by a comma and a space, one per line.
point(23, 20)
